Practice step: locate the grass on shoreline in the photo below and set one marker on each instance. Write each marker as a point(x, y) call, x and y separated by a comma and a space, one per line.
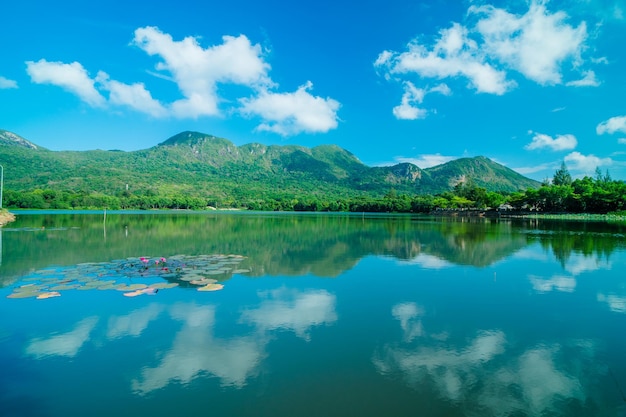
point(613, 217)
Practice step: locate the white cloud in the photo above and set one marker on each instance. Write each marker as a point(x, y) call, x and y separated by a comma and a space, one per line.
point(293, 310)
point(65, 344)
point(454, 54)
point(197, 70)
point(5, 83)
point(614, 124)
point(198, 73)
point(535, 44)
point(292, 113)
point(621, 141)
point(559, 143)
point(134, 96)
point(424, 161)
point(408, 110)
point(586, 164)
point(588, 80)
point(71, 77)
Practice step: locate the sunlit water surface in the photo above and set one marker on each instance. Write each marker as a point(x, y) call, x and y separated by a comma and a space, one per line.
point(320, 315)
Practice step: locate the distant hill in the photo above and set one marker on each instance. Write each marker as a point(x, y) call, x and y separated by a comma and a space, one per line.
point(9, 138)
point(198, 164)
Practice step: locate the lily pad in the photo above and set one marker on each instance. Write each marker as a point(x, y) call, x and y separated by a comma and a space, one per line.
point(211, 287)
point(131, 287)
point(163, 285)
point(63, 287)
point(148, 290)
point(23, 294)
point(49, 294)
point(203, 281)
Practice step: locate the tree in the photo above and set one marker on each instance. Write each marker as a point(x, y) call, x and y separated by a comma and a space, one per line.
point(562, 176)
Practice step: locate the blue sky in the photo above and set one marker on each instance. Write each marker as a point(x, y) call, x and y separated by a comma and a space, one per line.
point(528, 84)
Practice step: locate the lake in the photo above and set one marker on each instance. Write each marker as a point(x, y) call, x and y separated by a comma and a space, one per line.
point(286, 314)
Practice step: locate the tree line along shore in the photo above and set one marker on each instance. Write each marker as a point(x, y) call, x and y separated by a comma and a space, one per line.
point(561, 194)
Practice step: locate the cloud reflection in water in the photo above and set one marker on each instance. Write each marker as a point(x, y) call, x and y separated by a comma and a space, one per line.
point(486, 372)
point(297, 311)
point(66, 344)
point(133, 324)
point(196, 351)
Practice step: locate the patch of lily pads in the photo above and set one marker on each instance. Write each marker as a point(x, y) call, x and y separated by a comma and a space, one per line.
point(133, 276)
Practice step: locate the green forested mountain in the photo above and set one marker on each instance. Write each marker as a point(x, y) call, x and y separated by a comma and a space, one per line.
point(200, 165)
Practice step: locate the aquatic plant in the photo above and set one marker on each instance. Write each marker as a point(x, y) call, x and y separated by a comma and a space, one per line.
point(158, 273)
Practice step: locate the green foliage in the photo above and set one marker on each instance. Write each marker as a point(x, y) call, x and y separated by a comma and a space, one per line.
point(562, 176)
point(219, 173)
point(585, 195)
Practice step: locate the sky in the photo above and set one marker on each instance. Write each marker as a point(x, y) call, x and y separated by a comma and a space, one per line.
point(529, 84)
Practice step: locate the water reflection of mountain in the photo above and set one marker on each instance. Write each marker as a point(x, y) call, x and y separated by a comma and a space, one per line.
point(275, 244)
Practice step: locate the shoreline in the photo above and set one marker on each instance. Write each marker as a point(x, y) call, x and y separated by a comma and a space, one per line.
point(6, 217)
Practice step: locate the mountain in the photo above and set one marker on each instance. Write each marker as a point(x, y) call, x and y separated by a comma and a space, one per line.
point(9, 138)
point(482, 171)
point(197, 164)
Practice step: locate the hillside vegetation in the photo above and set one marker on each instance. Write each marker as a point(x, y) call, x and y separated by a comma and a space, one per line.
point(194, 169)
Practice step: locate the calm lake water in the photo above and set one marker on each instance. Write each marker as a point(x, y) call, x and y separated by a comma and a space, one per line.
point(319, 315)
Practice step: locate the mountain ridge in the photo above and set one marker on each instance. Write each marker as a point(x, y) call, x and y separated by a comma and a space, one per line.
point(199, 164)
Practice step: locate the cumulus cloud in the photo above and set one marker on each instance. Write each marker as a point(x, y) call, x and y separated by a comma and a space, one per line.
point(198, 73)
point(71, 77)
point(612, 125)
point(559, 143)
point(135, 96)
point(534, 44)
point(197, 70)
point(408, 109)
point(621, 141)
point(586, 164)
point(5, 83)
point(292, 113)
point(454, 54)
